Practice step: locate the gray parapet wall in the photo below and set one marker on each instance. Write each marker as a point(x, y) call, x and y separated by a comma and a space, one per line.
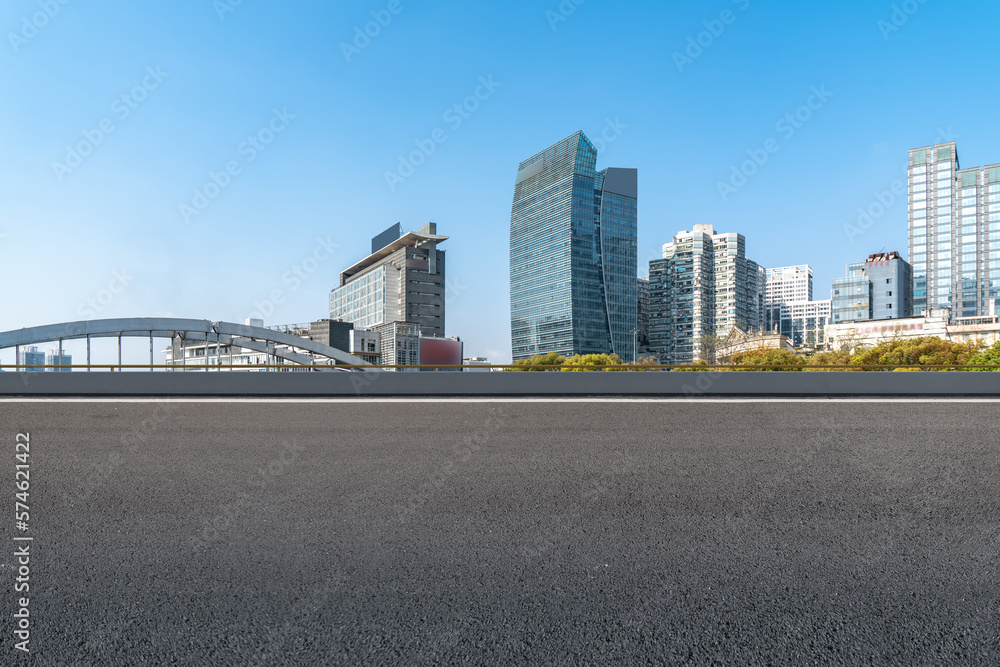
point(380, 383)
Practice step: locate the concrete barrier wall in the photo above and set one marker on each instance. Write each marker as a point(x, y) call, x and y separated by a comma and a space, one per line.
point(380, 383)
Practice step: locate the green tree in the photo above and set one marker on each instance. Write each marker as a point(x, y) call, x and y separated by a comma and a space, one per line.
point(987, 357)
point(770, 358)
point(926, 351)
point(551, 359)
point(822, 359)
point(593, 362)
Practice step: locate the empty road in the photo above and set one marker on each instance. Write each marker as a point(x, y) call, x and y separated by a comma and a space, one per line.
point(514, 532)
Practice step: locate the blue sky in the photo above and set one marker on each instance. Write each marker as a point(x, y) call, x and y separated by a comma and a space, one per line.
point(165, 97)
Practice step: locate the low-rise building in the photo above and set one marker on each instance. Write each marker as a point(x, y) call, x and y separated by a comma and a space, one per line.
point(938, 323)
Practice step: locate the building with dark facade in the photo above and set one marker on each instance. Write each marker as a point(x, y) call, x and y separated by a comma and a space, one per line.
point(573, 266)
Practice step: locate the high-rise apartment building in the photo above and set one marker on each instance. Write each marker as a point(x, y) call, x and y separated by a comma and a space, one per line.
point(31, 356)
point(643, 314)
point(402, 281)
point(573, 267)
point(55, 358)
point(880, 288)
point(701, 290)
point(954, 233)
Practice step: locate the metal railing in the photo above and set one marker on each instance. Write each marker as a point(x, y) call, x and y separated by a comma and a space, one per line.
point(492, 367)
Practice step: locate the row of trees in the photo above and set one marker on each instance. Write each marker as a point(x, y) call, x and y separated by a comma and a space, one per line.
point(915, 352)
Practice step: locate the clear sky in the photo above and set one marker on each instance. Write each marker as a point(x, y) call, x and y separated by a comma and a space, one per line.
point(115, 113)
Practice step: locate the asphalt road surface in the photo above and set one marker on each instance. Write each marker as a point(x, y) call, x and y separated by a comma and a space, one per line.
point(350, 533)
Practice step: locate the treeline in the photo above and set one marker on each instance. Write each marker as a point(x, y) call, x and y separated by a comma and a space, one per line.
point(911, 352)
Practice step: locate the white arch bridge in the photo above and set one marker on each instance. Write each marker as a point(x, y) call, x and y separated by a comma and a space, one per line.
point(276, 344)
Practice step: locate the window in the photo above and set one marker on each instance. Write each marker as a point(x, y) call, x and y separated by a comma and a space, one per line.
point(889, 293)
point(889, 306)
point(888, 281)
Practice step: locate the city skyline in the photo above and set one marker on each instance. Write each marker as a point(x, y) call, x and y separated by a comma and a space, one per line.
point(248, 127)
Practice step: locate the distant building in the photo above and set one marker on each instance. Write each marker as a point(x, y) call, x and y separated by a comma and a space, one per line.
point(399, 344)
point(805, 322)
point(789, 308)
point(54, 359)
point(31, 356)
point(403, 281)
point(954, 232)
point(702, 289)
point(477, 364)
point(366, 344)
point(573, 267)
point(332, 332)
point(741, 341)
point(198, 353)
point(788, 284)
point(643, 315)
point(880, 288)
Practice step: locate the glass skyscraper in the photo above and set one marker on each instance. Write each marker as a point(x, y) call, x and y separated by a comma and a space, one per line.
point(954, 229)
point(573, 267)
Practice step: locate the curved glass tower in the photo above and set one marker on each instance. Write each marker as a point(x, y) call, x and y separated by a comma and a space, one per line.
point(573, 270)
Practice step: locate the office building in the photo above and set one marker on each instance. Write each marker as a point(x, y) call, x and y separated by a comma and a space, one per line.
point(573, 266)
point(789, 283)
point(31, 356)
point(642, 315)
point(789, 308)
point(703, 289)
point(399, 344)
point(880, 288)
point(954, 233)
point(803, 322)
point(402, 281)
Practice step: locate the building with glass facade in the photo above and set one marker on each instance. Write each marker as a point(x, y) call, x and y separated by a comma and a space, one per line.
point(880, 288)
point(702, 289)
point(573, 267)
point(31, 356)
point(403, 281)
point(954, 233)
